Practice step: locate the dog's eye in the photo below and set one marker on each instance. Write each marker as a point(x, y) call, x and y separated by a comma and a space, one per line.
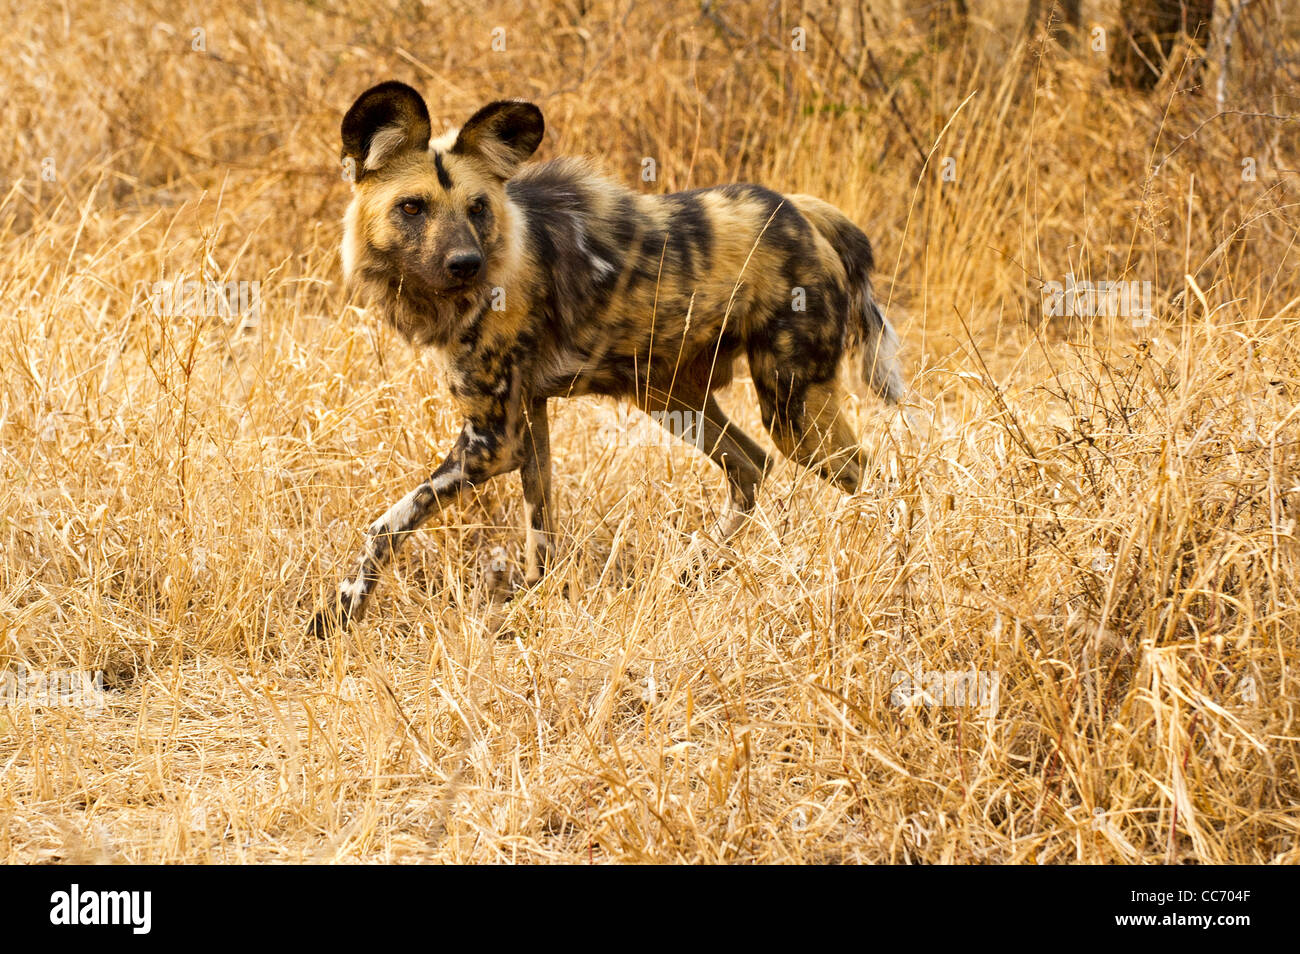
point(477, 208)
point(411, 208)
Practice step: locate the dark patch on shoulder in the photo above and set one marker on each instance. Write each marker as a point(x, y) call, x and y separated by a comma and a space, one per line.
point(554, 201)
point(612, 244)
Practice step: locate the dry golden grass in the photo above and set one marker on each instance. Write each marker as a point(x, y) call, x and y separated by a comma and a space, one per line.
point(1101, 514)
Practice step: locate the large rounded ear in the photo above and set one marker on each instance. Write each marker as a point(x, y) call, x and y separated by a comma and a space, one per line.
point(385, 120)
point(503, 134)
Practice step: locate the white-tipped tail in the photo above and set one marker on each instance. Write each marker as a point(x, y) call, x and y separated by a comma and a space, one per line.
point(878, 351)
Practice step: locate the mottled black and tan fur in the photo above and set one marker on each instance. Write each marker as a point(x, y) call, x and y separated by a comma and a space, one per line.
point(550, 280)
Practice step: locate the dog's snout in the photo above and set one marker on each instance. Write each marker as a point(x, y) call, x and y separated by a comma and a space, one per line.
point(464, 266)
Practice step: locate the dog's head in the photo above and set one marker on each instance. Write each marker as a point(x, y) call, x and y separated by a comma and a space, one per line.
point(430, 218)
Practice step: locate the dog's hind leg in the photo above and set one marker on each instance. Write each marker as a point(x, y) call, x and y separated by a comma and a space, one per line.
point(806, 420)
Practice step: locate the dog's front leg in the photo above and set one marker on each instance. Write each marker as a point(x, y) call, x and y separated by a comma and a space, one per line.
point(539, 506)
point(481, 452)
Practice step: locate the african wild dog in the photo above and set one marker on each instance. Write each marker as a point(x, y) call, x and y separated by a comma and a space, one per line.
point(551, 280)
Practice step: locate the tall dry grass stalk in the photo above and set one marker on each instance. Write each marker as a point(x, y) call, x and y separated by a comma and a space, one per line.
point(1098, 513)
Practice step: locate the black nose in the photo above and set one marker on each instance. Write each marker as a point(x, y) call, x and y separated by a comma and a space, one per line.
point(463, 266)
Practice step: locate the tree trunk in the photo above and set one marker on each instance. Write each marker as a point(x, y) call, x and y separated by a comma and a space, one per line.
point(1150, 35)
